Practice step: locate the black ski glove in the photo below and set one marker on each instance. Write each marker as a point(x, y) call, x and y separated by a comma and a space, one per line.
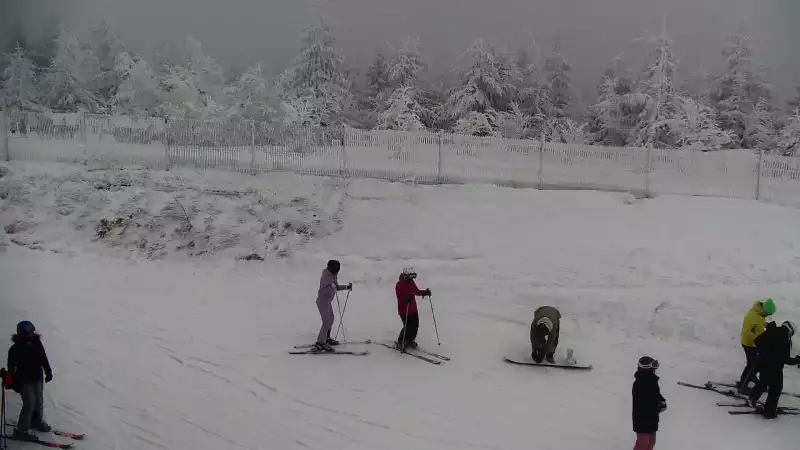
point(48, 378)
point(426, 293)
point(350, 286)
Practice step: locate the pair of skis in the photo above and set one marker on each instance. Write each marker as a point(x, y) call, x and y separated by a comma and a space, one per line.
point(46, 443)
point(719, 388)
point(731, 385)
point(423, 355)
point(308, 349)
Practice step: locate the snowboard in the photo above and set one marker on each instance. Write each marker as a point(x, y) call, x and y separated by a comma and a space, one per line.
point(547, 364)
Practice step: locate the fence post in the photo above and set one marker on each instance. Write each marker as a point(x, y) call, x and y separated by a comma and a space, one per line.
point(439, 159)
point(647, 173)
point(83, 127)
point(4, 130)
point(343, 151)
point(758, 174)
point(166, 142)
point(540, 175)
point(253, 147)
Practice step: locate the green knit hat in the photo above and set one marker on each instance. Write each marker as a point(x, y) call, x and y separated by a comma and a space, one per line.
point(768, 307)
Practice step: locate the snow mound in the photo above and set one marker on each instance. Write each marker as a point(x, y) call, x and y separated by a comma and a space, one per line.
point(156, 214)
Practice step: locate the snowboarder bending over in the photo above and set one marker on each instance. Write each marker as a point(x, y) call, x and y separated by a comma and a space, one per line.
point(647, 404)
point(544, 334)
point(407, 291)
point(754, 323)
point(29, 369)
point(774, 351)
point(328, 286)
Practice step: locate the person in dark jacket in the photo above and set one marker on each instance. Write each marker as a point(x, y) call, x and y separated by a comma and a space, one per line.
point(29, 369)
point(545, 330)
point(647, 404)
point(774, 347)
point(406, 291)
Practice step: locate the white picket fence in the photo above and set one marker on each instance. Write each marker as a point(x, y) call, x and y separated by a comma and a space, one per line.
point(419, 157)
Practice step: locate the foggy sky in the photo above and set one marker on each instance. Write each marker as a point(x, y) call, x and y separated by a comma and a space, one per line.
point(591, 31)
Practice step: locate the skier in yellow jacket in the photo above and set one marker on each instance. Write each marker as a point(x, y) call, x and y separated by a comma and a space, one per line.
point(755, 322)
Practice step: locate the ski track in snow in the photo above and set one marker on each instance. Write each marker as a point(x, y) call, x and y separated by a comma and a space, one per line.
point(193, 353)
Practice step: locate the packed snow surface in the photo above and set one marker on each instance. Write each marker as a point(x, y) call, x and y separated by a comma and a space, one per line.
point(186, 349)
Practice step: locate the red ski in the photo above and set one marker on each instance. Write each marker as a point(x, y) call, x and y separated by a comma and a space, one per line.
point(76, 436)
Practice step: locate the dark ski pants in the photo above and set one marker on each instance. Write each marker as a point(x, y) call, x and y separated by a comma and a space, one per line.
point(749, 372)
point(773, 383)
point(32, 413)
point(410, 328)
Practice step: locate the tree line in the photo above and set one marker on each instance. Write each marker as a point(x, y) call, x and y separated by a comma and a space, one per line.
point(492, 91)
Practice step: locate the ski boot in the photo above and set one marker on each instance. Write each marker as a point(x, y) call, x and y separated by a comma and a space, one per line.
point(550, 358)
point(24, 435)
point(332, 342)
point(412, 345)
point(321, 348)
point(43, 427)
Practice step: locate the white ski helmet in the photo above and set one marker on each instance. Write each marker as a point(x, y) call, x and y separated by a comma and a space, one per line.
point(409, 273)
point(789, 325)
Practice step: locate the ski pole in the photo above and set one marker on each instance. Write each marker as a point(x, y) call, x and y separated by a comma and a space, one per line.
point(430, 299)
point(341, 317)
point(405, 328)
point(344, 335)
point(3, 438)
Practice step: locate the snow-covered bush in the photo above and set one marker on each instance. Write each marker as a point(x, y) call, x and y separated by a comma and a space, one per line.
point(476, 123)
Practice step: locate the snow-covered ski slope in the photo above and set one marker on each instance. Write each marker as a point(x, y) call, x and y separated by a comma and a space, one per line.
point(193, 353)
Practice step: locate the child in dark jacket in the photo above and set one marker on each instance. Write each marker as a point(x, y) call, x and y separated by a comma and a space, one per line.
point(647, 404)
point(29, 369)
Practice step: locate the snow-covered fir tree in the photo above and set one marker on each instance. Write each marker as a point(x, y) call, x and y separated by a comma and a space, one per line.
point(655, 127)
point(402, 111)
point(18, 80)
point(513, 124)
point(475, 123)
point(763, 129)
point(788, 142)
point(696, 127)
point(139, 91)
point(794, 102)
point(195, 88)
point(738, 90)
point(68, 83)
point(488, 82)
point(406, 65)
point(611, 116)
point(566, 131)
point(317, 75)
point(105, 46)
point(253, 95)
point(378, 86)
point(559, 82)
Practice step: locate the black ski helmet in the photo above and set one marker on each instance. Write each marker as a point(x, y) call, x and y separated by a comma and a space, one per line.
point(648, 363)
point(334, 266)
point(25, 327)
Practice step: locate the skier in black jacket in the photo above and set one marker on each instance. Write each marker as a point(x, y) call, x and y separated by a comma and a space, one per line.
point(29, 369)
point(774, 348)
point(647, 404)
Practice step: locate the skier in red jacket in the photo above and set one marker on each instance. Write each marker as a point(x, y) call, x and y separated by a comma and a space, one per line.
point(407, 291)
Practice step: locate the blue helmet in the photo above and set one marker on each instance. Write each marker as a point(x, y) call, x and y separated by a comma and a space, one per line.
point(25, 327)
